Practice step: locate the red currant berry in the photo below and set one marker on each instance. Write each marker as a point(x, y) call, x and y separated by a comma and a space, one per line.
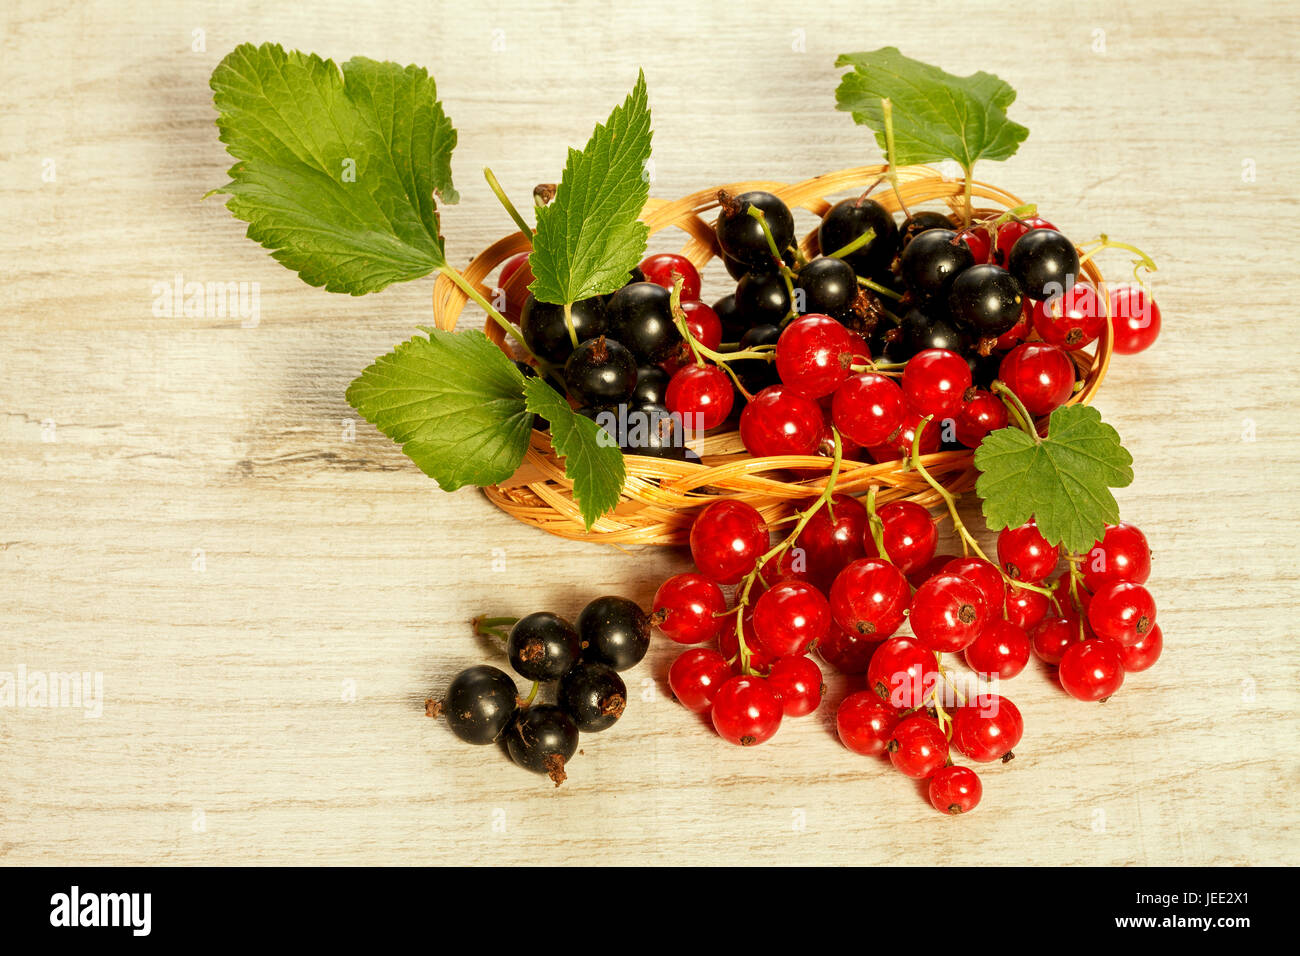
point(790, 617)
point(686, 608)
point(934, 382)
point(789, 565)
point(760, 661)
point(780, 421)
point(985, 576)
point(1002, 649)
point(695, 677)
point(1135, 317)
point(746, 711)
point(1072, 320)
point(1009, 234)
point(1123, 612)
point(982, 412)
point(987, 730)
point(511, 266)
point(1122, 554)
point(1026, 608)
point(909, 535)
point(1025, 554)
point(870, 597)
point(928, 570)
point(948, 613)
point(899, 443)
point(832, 538)
point(702, 396)
point(1138, 657)
point(797, 683)
point(706, 329)
point(1091, 670)
point(902, 672)
point(868, 408)
point(1018, 332)
point(1041, 375)
point(516, 277)
point(977, 240)
point(1053, 636)
point(663, 269)
point(865, 723)
point(727, 539)
point(846, 652)
point(813, 355)
point(955, 790)
point(919, 747)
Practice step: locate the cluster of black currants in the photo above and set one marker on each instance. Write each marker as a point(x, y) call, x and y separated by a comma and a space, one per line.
point(483, 705)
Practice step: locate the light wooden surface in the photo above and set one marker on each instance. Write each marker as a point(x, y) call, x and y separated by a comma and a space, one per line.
point(269, 603)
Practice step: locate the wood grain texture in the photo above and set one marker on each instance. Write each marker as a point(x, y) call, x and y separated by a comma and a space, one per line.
point(229, 732)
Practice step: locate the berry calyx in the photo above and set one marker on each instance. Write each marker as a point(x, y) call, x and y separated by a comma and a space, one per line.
point(542, 646)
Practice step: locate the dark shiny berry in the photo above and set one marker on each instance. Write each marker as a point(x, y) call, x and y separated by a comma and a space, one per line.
point(651, 385)
point(543, 738)
point(593, 695)
point(734, 322)
point(849, 219)
point(600, 372)
point(925, 332)
point(931, 261)
point(542, 646)
point(756, 374)
point(741, 235)
point(614, 631)
point(920, 222)
point(763, 297)
point(479, 704)
point(1045, 263)
point(987, 299)
point(544, 329)
point(641, 319)
point(651, 430)
point(829, 286)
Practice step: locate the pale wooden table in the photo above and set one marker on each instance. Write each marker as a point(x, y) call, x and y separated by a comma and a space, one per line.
point(269, 603)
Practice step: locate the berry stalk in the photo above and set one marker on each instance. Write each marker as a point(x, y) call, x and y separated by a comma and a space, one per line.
point(500, 193)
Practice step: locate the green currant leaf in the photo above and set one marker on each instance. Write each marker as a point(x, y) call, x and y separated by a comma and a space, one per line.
point(336, 172)
point(1063, 481)
point(454, 402)
point(592, 460)
point(589, 238)
point(937, 115)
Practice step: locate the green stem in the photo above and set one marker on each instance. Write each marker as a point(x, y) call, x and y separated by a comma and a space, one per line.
point(500, 193)
point(1017, 410)
point(887, 114)
point(849, 248)
point(486, 306)
point(876, 526)
point(568, 323)
point(879, 289)
point(786, 274)
point(966, 197)
point(532, 694)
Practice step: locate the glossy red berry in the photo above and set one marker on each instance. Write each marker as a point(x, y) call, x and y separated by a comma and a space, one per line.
point(1091, 670)
point(696, 676)
point(760, 661)
point(1135, 318)
point(902, 672)
point(919, 747)
point(955, 790)
point(1138, 657)
point(977, 240)
point(790, 617)
point(1002, 649)
point(1040, 375)
point(909, 535)
point(984, 576)
point(797, 683)
point(1053, 636)
point(980, 413)
point(1122, 554)
point(1018, 332)
point(780, 421)
point(686, 608)
point(1122, 612)
point(865, 723)
point(1072, 320)
point(870, 597)
point(948, 613)
point(1025, 554)
point(727, 539)
point(899, 443)
point(702, 395)
point(664, 268)
point(832, 538)
point(1026, 608)
point(934, 382)
point(987, 730)
point(813, 355)
point(868, 408)
point(746, 711)
point(706, 329)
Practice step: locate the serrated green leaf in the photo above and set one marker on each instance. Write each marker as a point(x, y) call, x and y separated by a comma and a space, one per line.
point(336, 173)
point(1063, 481)
point(589, 238)
point(455, 404)
point(936, 115)
point(595, 466)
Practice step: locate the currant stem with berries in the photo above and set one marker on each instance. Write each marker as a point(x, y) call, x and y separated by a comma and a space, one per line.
point(786, 273)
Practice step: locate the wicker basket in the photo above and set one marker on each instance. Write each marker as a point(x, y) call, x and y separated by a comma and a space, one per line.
point(661, 497)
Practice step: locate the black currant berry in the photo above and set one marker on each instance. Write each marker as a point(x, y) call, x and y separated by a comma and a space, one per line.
point(920, 222)
point(932, 261)
point(829, 286)
point(924, 331)
point(764, 297)
point(542, 646)
point(889, 342)
point(850, 218)
point(479, 704)
point(741, 235)
point(1045, 263)
point(593, 695)
point(641, 318)
point(542, 738)
point(987, 299)
point(546, 333)
point(600, 372)
point(734, 322)
point(614, 631)
point(651, 385)
point(757, 374)
point(983, 368)
point(651, 430)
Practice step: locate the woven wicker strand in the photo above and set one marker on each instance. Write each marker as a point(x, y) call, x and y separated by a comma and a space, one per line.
point(661, 497)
